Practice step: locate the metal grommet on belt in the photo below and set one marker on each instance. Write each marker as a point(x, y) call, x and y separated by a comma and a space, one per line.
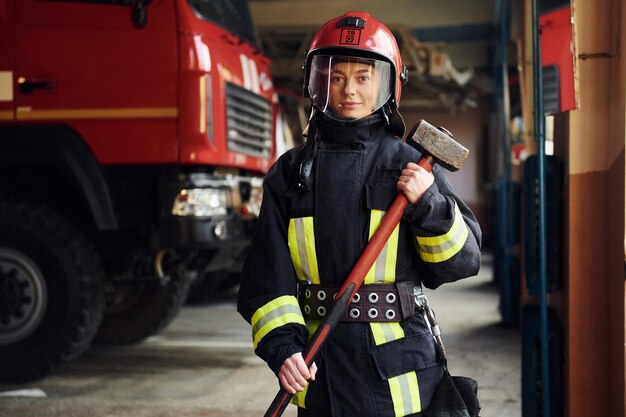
point(355, 313)
point(356, 298)
point(321, 295)
point(373, 297)
point(390, 314)
point(307, 309)
point(321, 310)
point(390, 297)
point(307, 293)
point(372, 313)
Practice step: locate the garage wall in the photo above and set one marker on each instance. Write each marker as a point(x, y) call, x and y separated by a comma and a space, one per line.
point(470, 129)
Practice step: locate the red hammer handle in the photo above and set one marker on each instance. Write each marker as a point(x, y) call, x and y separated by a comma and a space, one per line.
point(350, 286)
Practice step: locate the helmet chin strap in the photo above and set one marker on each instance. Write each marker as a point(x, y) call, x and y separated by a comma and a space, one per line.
point(387, 113)
point(306, 167)
point(395, 120)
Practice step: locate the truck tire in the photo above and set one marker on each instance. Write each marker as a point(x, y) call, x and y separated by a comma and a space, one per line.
point(51, 292)
point(135, 312)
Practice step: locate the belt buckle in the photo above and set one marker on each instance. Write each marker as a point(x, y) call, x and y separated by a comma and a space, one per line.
point(421, 302)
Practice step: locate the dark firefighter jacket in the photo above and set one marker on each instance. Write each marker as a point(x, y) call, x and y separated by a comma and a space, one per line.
point(365, 369)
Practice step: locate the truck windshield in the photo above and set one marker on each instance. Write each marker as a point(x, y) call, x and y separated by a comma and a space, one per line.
point(232, 15)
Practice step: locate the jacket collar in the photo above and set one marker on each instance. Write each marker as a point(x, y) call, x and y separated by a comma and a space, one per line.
point(349, 132)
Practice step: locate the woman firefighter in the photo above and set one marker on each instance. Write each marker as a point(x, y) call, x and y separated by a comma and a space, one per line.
point(322, 202)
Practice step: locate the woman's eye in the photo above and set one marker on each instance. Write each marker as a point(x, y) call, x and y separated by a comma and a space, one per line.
point(337, 79)
point(364, 78)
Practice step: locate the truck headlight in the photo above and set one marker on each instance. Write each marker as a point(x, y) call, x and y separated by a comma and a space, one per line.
point(202, 202)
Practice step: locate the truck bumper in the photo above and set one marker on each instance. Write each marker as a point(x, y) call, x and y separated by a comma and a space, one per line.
point(192, 226)
point(189, 233)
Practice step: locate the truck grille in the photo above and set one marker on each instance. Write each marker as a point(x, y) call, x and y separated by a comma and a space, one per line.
point(248, 122)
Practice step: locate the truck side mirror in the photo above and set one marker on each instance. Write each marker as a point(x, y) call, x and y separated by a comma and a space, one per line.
point(139, 14)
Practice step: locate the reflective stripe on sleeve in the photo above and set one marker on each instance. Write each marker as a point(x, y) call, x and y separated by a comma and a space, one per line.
point(404, 388)
point(384, 269)
point(441, 248)
point(301, 241)
point(276, 313)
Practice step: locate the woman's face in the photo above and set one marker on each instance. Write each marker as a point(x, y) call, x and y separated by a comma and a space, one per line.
point(353, 89)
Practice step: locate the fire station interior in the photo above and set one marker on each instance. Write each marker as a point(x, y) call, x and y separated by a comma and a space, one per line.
point(536, 90)
point(471, 70)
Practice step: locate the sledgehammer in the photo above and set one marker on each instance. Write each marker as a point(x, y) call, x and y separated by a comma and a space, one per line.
point(436, 146)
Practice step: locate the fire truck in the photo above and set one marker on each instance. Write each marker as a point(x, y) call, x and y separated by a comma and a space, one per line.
point(134, 135)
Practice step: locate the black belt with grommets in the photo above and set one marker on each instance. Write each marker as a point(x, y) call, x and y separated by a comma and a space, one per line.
point(391, 302)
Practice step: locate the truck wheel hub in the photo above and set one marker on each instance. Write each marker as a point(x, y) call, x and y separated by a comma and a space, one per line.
point(23, 296)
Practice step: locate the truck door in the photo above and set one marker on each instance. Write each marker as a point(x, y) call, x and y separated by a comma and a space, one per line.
point(86, 64)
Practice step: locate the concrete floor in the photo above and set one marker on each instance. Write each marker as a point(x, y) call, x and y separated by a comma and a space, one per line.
point(203, 365)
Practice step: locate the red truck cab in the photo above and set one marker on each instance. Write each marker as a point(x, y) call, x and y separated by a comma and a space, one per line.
point(134, 136)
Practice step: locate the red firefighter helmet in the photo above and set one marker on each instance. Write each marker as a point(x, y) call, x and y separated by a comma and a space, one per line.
point(356, 35)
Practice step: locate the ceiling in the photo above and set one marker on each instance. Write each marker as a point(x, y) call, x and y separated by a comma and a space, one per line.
point(446, 44)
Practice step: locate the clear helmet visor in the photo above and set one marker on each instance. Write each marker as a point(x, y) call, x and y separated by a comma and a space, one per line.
point(344, 87)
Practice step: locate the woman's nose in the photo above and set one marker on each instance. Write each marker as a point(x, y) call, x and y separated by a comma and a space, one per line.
point(350, 87)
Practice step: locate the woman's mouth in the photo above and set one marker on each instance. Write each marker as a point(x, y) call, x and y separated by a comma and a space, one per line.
point(349, 104)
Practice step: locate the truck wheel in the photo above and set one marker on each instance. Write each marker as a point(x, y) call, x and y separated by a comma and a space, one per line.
point(135, 312)
point(51, 292)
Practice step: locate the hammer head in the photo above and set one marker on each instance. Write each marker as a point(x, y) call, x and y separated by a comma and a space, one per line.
point(438, 143)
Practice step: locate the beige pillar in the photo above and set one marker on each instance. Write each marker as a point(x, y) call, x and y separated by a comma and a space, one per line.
point(594, 211)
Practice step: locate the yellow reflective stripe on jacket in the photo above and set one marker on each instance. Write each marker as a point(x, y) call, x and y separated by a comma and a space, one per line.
point(404, 388)
point(441, 248)
point(301, 241)
point(384, 269)
point(276, 313)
